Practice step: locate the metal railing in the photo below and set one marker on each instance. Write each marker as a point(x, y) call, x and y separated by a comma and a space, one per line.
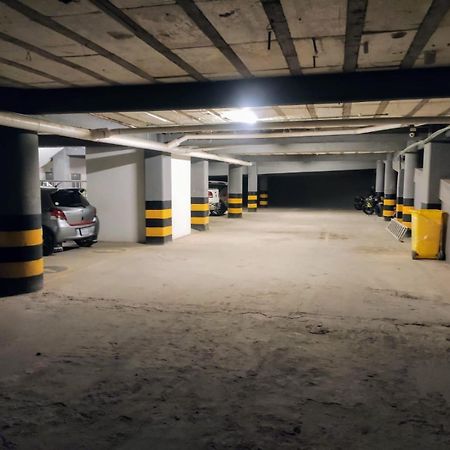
point(64, 184)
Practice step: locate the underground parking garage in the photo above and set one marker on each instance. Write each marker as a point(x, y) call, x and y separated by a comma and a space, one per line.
point(224, 224)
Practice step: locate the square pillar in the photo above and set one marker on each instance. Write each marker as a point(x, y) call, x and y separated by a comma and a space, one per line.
point(158, 198)
point(400, 178)
point(263, 191)
point(252, 199)
point(199, 195)
point(390, 188)
point(410, 165)
point(379, 181)
point(234, 191)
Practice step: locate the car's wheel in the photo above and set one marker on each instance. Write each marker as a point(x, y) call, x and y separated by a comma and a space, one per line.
point(48, 245)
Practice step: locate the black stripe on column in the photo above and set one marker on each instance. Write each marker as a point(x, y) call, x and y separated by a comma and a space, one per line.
point(431, 205)
point(408, 201)
point(199, 213)
point(20, 254)
point(199, 200)
point(20, 222)
point(16, 286)
point(158, 204)
point(158, 222)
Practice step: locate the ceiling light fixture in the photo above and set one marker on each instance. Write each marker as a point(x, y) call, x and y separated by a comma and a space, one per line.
point(244, 115)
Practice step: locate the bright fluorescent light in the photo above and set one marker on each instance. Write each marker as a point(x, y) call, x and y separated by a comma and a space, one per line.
point(154, 116)
point(244, 115)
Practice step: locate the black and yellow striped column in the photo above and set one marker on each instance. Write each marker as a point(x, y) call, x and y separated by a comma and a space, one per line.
point(390, 188)
point(399, 209)
point(199, 194)
point(199, 213)
point(410, 164)
point(158, 198)
point(389, 206)
point(21, 262)
point(158, 222)
point(252, 195)
point(234, 191)
point(252, 202)
point(399, 199)
point(234, 206)
point(408, 208)
point(263, 199)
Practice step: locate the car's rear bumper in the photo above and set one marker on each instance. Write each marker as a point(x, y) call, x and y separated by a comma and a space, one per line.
point(67, 232)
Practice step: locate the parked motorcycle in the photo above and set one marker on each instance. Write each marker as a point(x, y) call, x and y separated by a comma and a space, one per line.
point(373, 204)
point(358, 202)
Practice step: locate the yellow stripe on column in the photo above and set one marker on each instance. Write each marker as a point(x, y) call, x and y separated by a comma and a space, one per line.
point(263, 203)
point(199, 220)
point(158, 213)
point(264, 195)
point(22, 269)
point(389, 202)
point(252, 205)
point(158, 231)
point(235, 200)
point(21, 238)
point(200, 207)
point(253, 197)
point(235, 210)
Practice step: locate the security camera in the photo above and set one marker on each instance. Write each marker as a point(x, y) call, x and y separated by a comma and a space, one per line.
point(412, 132)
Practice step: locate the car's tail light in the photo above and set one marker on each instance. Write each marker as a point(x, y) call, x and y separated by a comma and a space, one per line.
point(59, 214)
point(210, 194)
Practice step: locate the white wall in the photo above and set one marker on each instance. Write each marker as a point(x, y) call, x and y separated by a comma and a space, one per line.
point(115, 180)
point(181, 197)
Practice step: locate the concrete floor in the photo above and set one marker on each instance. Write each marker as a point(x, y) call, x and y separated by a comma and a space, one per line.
point(287, 329)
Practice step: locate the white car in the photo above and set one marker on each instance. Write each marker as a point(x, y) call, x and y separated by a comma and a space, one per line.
point(217, 193)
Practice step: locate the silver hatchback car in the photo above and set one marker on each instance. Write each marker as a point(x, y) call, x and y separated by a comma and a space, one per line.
point(67, 216)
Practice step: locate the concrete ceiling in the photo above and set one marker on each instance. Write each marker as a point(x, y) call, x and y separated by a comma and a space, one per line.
point(398, 108)
point(97, 42)
point(54, 43)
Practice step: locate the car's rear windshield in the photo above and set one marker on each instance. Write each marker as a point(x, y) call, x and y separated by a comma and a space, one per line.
point(69, 197)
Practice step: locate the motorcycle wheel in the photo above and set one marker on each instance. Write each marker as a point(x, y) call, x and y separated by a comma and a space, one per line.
point(368, 211)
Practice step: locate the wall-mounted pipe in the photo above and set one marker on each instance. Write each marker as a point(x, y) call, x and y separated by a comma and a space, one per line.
point(420, 144)
point(292, 134)
point(14, 120)
point(284, 125)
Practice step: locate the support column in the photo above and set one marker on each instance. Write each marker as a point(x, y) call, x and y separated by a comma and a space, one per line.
point(21, 262)
point(234, 191)
point(252, 200)
point(263, 193)
point(389, 190)
point(408, 189)
point(379, 183)
point(199, 195)
point(158, 199)
point(400, 177)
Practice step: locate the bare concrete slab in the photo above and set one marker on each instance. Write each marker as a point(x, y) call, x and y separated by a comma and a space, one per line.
point(287, 329)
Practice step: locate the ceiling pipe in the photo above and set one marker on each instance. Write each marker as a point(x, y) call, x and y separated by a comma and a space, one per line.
point(205, 137)
point(284, 125)
point(420, 144)
point(42, 126)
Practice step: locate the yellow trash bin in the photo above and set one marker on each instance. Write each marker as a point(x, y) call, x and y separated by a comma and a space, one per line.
point(427, 234)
